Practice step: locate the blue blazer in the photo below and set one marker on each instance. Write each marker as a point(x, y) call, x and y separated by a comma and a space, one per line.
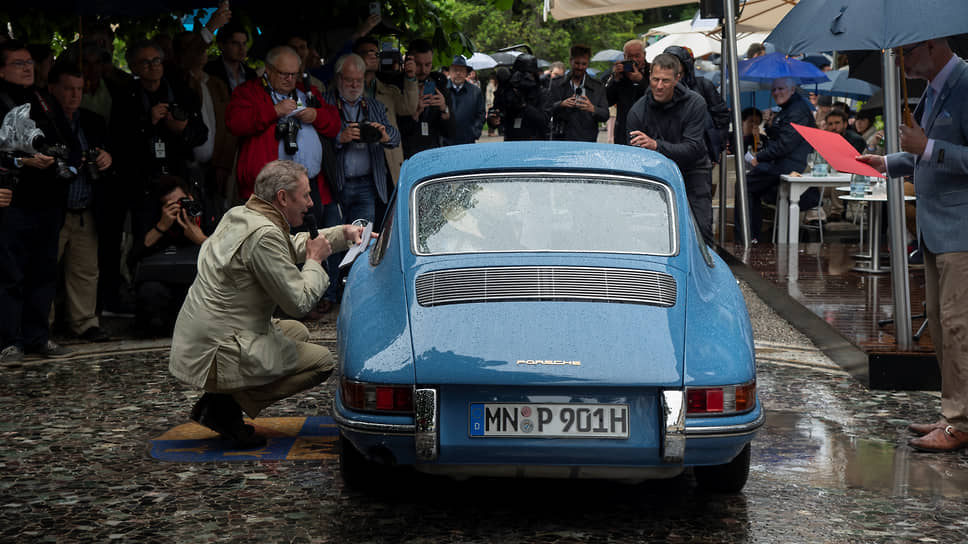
point(941, 183)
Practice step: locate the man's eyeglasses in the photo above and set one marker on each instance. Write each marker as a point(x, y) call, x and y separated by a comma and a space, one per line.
point(284, 75)
point(29, 63)
point(149, 62)
point(907, 50)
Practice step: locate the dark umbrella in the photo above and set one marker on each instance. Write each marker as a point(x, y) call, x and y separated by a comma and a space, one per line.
point(854, 25)
point(817, 60)
point(505, 58)
point(866, 65)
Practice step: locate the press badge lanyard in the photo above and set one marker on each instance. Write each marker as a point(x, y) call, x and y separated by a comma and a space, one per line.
point(158, 144)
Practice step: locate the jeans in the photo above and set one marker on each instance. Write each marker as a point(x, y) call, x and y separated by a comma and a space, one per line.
point(358, 199)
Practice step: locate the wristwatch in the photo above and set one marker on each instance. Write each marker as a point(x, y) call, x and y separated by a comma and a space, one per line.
point(17, 163)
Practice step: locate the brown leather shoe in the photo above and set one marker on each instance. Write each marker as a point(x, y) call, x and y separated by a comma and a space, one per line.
point(925, 428)
point(941, 440)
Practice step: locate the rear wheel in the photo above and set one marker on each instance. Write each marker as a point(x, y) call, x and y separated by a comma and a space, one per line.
point(357, 471)
point(728, 478)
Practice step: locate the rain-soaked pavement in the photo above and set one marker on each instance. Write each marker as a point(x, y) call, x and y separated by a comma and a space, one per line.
point(830, 465)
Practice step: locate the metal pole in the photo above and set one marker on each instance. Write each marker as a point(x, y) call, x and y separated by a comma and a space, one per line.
point(900, 282)
point(729, 39)
point(723, 174)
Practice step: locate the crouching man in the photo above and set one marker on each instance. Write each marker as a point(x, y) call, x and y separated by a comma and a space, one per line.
point(225, 339)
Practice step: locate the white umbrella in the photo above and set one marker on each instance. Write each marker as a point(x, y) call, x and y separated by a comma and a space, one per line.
point(480, 61)
point(608, 55)
point(702, 43)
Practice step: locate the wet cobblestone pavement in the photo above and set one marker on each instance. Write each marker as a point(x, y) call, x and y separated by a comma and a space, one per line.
point(831, 465)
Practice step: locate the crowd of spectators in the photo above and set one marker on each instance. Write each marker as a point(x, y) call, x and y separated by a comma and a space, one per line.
point(152, 158)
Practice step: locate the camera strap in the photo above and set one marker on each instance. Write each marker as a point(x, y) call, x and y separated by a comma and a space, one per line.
point(363, 114)
point(272, 93)
point(50, 117)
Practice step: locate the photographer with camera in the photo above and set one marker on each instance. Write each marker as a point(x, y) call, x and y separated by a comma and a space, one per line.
point(432, 121)
point(521, 103)
point(30, 225)
point(578, 102)
point(361, 172)
point(630, 79)
point(397, 102)
point(167, 238)
point(155, 126)
point(273, 119)
point(85, 134)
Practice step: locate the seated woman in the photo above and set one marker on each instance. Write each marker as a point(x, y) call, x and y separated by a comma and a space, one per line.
point(168, 232)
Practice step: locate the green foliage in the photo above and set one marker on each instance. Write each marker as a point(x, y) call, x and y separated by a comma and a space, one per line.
point(494, 24)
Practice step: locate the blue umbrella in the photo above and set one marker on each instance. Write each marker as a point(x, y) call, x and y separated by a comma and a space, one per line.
point(841, 84)
point(773, 65)
point(863, 25)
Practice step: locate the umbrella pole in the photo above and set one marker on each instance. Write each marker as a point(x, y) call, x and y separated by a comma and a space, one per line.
point(900, 283)
point(908, 120)
point(741, 204)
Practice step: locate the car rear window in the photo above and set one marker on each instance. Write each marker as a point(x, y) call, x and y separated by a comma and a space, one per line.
point(543, 212)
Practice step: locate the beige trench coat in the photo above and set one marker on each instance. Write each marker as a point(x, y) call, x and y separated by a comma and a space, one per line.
point(397, 103)
point(245, 270)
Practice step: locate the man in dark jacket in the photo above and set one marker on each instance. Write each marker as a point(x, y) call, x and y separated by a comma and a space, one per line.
point(230, 67)
point(521, 103)
point(468, 104)
point(630, 79)
point(671, 119)
point(718, 122)
point(785, 151)
point(578, 102)
point(30, 226)
point(85, 134)
point(432, 122)
point(155, 125)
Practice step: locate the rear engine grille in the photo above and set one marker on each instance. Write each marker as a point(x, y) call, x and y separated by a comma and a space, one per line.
point(552, 283)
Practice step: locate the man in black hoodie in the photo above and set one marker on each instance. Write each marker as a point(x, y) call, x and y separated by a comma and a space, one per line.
point(671, 119)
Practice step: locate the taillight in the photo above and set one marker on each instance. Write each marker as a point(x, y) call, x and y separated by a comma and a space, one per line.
point(368, 397)
point(728, 399)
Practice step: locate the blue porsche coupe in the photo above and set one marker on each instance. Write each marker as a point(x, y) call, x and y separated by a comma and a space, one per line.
point(544, 309)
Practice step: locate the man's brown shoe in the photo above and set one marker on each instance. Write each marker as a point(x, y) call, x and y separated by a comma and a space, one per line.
point(925, 428)
point(941, 440)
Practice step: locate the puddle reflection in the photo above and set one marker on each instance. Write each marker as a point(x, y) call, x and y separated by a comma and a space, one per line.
point(818, 452)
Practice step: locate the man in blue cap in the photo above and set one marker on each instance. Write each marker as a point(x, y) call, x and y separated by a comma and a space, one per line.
point(468, 104)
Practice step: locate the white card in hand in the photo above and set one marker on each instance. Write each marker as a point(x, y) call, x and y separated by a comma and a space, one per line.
point(355, 251)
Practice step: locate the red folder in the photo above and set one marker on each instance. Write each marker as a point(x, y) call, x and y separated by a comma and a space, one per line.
point(836, 150)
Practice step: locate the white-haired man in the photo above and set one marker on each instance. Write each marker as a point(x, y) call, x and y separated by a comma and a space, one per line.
point(226, 340)
point(360, 176)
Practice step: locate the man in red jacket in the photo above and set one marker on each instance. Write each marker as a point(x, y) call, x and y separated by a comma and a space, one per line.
point(275, 118)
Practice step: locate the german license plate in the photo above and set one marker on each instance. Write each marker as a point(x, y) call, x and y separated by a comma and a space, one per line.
point(549, 420)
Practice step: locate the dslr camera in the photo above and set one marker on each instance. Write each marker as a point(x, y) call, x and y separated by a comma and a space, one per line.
point(287, 130)
point(90, 164)
point(61, 154)
point(177, 112)
point(369, 134)
point(192, 207)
